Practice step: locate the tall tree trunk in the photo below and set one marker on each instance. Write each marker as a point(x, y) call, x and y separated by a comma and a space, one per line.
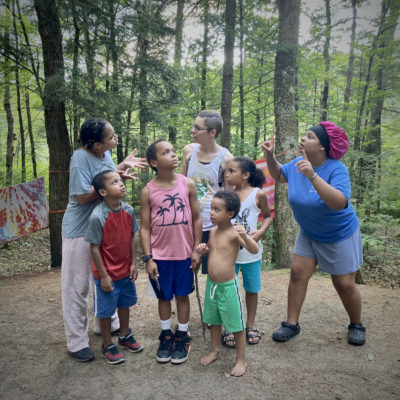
point(364, 182)
point(172, 131)
point(7, 98)
point(241, 84)
point(116, 109)
point(350, 67)
point(357, 138)
point(30, 133)
point(55, 123)
point(178, 32)
point(327, 61)
point(89, 52)
point(21, 125)
point(227, 74)
point(28, 49)
point(75, 76)
point(19, 106)
point(204, 56)
point(373, 137)
point(129, 115)
point(142, 61)
point(285, 123)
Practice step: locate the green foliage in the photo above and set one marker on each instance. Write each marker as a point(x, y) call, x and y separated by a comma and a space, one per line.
point(169, 96)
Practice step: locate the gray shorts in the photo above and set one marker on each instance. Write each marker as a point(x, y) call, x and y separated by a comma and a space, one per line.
point(339, 258)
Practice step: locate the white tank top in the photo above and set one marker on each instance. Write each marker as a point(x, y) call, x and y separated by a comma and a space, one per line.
point(205, 176)
point(248, 217)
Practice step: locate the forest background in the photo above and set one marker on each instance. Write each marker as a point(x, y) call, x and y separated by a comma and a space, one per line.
point(149, 66)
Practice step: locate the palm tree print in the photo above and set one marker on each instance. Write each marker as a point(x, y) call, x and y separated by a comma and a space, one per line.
point(181, 207)
point(173, 200)
point(161, 211)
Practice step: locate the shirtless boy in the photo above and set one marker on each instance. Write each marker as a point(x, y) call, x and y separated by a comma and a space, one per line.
point(223, 304)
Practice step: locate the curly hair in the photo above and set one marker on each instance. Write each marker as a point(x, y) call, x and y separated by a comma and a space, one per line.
point(91, 132)
point(231, 199)
point(256, 176)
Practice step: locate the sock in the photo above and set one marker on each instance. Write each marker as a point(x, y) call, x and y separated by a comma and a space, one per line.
point(183, 327)
point(165, 325)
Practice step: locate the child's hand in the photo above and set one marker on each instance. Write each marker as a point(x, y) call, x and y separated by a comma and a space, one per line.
point(240, 230)
point(133, 273)
point(107, 284)
point(202, 248)
point(256, 235)
point(151, 269)
point(195, 261)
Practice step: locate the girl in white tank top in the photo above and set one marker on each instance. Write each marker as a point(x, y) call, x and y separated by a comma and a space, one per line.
point(247, 179)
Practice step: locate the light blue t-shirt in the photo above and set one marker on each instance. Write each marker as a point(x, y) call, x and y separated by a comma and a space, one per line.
point(82, 169)
point(315, 218)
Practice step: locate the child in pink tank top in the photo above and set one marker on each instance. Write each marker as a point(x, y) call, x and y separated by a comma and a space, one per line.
point(170, 231)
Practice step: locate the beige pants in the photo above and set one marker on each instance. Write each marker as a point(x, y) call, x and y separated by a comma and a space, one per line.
point(76, 278)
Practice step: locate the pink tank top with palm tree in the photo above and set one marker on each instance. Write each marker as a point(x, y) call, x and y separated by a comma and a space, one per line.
point(171, 225)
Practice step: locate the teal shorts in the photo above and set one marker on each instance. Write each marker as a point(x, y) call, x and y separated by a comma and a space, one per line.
point(251, 273)
point(223, 305)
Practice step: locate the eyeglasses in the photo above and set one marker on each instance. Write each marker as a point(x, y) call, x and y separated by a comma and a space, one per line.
point(199, 128)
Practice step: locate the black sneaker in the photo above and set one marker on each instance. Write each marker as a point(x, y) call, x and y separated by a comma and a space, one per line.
point(129, 342)
point(164, 351)
point(181, 348)
point(189, 332)
point(112, 354)
point(84, 355)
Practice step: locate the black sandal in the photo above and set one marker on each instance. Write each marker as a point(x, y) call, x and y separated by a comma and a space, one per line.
point(254, 334)
point(227, 341)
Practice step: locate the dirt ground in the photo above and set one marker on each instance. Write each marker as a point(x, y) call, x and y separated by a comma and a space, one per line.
point(317, 364)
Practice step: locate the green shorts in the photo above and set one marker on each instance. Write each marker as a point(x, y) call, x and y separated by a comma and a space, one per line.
point(223, 305)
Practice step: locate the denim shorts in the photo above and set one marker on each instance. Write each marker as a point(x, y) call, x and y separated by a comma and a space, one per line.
point(105, 303)
point(339, 258)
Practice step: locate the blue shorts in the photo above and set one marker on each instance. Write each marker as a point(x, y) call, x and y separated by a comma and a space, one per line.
point(105, 303)
point(251, 273)
point(175, 278)
point(339, 258)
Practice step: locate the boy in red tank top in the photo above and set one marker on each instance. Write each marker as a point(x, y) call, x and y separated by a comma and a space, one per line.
point(169, 233)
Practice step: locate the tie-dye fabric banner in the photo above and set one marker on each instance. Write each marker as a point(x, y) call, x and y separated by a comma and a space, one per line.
point(269, 186)
point(23, 209)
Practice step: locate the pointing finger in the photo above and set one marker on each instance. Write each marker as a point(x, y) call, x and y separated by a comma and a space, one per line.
point(304, 154)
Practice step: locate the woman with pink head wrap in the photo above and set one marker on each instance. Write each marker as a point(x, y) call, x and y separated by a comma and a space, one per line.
point(319, 194)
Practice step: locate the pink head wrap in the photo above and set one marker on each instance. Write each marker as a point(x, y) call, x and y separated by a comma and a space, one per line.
point(338, 140)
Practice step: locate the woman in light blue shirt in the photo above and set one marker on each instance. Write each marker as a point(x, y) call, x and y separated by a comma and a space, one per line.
point(96, 138)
